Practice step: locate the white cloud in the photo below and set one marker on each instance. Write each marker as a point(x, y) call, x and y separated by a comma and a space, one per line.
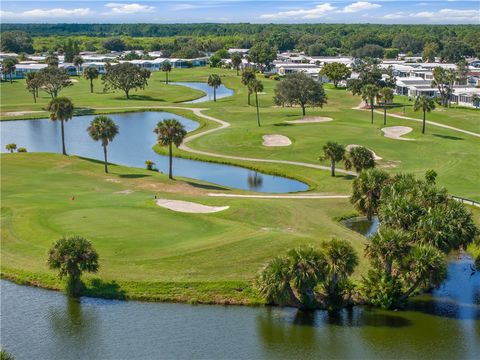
point(443, 15)
point(134, 8)
point(360, 6)
point(315, 13)
point(394, 16)
point(449, 15)
point(48, 13)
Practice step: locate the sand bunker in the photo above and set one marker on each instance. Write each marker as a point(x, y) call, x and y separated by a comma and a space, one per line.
point(276, 140)
point(310, 119)
point(20, 113)
point(124, 192)
point(395, 132)
point(351, 146)
point(189, 207)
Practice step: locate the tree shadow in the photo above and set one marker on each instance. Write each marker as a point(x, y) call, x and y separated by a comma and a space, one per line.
point(104, 289)
point(95, 161)
point(345, 176)
point(282, 124)
point(206, 186)
point(133, 176)
point(449, 137)
point(84, 111)
point(140, 98)
point(445, 308)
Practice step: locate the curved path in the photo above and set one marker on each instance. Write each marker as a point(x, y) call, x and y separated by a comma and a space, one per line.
point(223, 125)
point(361, 107)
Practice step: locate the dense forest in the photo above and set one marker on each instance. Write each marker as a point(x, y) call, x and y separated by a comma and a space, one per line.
point(187, 40)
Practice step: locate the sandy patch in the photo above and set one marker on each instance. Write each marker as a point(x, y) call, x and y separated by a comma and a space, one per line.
point(310, 119)
point(395, 132)
point(351, 146)
point(74, 80)
point(276, 140)
point(20, 113)
point(189, 207)
point(113, 180)
point(124, 192)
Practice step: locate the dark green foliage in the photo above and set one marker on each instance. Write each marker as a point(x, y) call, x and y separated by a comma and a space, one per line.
point(300, 89)
point(366, 191)
point(334, 152)
point(91, 73)
point(52, 80)
point(369, 51)
point(8, 67)
point(126, 77)
point(72, 256)
point(262, 54)
point(247, 76)
point(102, 128)
point(359, 158)
point(170, 132)
point(336, 72)
point(310, 278)
point(114, 44)
point(16, 42)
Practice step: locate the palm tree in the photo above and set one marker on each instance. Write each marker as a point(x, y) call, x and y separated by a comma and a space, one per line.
point(307, 269)
point(386, 94)
point(236, 61)
point(247, 76)
point(366, 190)
point(169, 132)
point(71, 256)
point(273, 283)
point(166, 68)
point(11, 147)
point(359, 158)
point(256, 86)
point(78, 61)
point(214, 81)
point(340, 262)
point(103, 128)
point(334, 152)
point(369, 93)
point(426, 104)
point(91, 73)
point(32, 83)
point(61, 109)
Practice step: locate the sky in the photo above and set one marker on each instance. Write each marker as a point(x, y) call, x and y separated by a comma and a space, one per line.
point(232, 11)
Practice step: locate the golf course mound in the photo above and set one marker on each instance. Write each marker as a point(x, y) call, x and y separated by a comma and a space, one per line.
point(396, 132)
point(276, 140)
point(351, 146)
point(310, 119)
point(189, 207)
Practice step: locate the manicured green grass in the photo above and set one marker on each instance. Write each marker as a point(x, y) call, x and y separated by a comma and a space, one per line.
point(141, 243)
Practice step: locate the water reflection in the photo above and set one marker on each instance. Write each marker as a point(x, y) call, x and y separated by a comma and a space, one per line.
point(221, 92)
point(255, 181)
point(133, 146)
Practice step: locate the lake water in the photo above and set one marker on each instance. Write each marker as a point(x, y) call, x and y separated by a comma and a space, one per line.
point(133, 146)
point(222, 91)
point(41, 324)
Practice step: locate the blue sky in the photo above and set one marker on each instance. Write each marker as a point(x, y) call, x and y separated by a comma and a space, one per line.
point(275, 11)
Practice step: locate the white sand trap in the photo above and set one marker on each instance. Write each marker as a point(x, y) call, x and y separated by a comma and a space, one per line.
point(74, 80)
point(20, 113)
point(395, 132)
point(189, 207)
point(310, 119)
point(276, 140)
point(113, 180)
point(351, 146)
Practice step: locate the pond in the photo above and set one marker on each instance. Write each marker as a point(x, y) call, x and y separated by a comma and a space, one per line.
point(133, 146)
point(43, 324)
point(222, 91)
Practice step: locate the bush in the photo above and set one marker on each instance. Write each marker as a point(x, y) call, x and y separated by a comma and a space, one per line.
point(22, 149)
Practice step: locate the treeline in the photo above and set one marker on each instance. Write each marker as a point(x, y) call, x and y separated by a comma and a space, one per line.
point(447, 41)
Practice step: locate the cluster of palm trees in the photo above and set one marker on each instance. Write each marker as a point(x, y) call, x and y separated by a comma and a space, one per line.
point(310, 278)
point(12, 147)
point(358, 157)
point(254, 86)
point(102, 128)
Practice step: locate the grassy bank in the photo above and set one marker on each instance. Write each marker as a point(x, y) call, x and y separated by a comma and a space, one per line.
point(151, 252)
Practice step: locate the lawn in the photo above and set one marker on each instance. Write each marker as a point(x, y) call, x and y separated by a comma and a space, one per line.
point(156, 254)
point(140, 242)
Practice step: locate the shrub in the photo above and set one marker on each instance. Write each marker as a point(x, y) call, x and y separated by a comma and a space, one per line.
point(22, 149)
